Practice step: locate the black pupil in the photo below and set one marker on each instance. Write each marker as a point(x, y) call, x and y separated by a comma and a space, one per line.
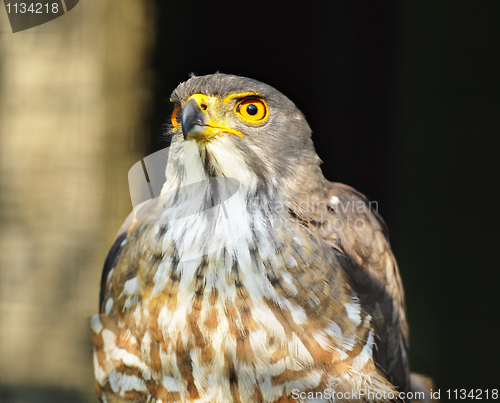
point(252, 109)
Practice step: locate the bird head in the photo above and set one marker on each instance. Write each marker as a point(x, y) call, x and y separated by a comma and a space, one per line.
point(246, 130)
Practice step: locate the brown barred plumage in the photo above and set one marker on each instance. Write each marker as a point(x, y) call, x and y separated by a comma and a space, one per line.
point(295, 292)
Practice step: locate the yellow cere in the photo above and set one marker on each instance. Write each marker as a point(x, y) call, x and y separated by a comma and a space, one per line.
point(250, 107)
point(215, 128)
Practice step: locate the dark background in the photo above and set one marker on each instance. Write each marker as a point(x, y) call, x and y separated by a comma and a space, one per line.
point(403, 100)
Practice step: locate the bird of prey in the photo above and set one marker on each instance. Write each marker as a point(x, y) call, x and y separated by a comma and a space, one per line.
point(256, 279)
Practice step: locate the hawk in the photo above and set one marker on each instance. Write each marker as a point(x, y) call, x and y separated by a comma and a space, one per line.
point(251, 278)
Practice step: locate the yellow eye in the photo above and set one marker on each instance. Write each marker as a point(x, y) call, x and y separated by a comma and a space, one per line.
point(252, 110)
point(175, 122)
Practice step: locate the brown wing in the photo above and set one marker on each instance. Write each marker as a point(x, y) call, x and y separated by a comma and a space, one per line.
point(346, 220)
point(116, 335)
point(114, 253)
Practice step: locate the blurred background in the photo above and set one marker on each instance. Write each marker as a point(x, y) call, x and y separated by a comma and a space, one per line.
point(403, 100)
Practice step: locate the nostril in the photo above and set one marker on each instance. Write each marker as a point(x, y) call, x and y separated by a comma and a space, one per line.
point(204, 106)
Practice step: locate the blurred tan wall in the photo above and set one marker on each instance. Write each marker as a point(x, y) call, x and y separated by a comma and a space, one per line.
point(72, 98)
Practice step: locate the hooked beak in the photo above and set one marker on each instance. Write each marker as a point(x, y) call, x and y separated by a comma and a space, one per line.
point(197, 123)
point(194, 121)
